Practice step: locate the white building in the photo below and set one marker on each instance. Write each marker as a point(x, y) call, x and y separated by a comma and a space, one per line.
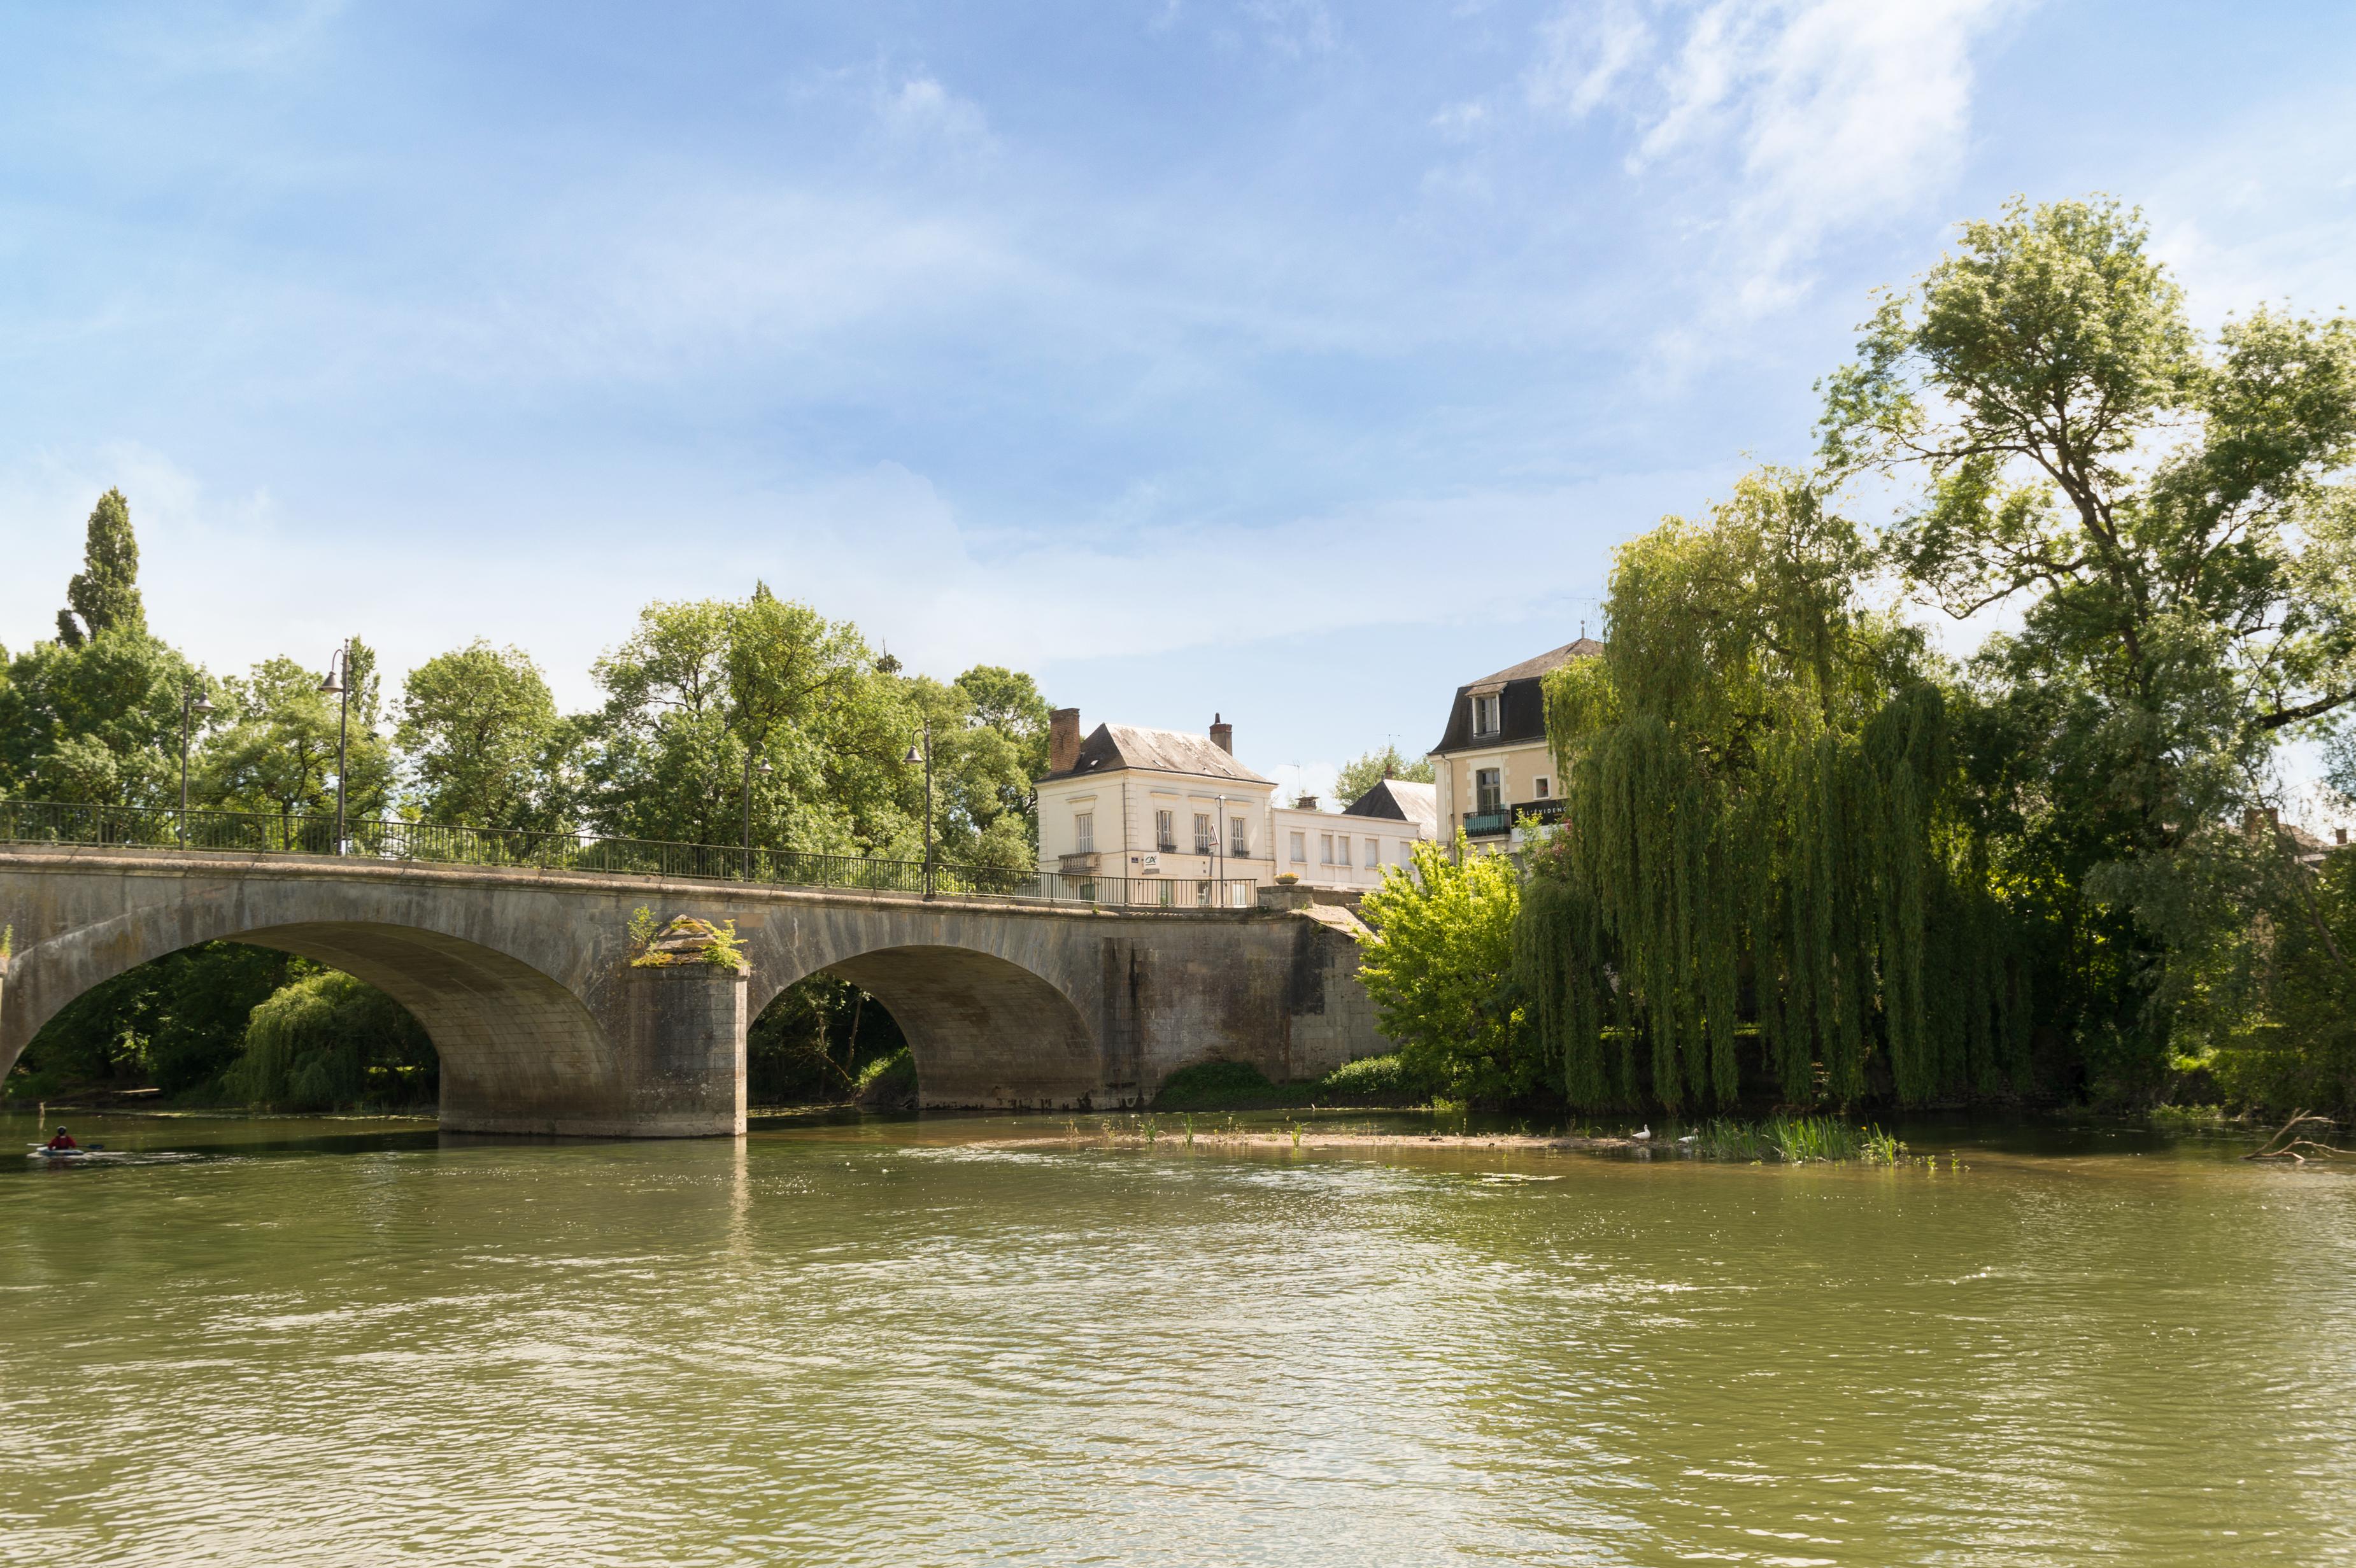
point(1136, 816)
point(1349, 849)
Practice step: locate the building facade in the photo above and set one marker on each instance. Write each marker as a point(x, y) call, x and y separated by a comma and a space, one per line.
point(1138, 815)
point(1350, 850)
point(1492, 766)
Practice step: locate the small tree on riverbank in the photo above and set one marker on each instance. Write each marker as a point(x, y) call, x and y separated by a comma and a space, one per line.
point(1440, 972)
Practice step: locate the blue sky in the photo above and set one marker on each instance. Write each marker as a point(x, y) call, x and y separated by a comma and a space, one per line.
point(1294, 360)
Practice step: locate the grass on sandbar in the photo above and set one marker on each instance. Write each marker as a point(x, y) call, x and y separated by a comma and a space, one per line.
point(1796, 1140)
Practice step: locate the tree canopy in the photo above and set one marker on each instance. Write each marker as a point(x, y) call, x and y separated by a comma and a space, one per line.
point(1760, 800)
point(1363, 772)
point(481, 740)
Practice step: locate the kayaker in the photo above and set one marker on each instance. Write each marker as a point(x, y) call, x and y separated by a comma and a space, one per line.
point(64, 1140)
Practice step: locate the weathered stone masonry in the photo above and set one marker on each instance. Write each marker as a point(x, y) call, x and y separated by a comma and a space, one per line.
point(521, 978)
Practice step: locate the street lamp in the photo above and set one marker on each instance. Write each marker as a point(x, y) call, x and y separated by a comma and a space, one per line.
point(193, 706)
point(339, 685)
point(765, 769)
point(925, 756)
point(1219, 837)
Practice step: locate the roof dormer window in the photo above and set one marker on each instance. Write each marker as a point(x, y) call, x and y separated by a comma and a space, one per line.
point(1488, 714)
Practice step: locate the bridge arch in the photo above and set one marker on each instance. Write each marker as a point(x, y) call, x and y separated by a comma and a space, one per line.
point(519, 1050)
point(983, 1029)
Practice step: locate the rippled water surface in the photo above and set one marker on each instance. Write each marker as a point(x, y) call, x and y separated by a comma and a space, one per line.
point(884, 1344)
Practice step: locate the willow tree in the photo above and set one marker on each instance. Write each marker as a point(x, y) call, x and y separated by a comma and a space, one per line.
point(1764, 835)
point(2168, 518)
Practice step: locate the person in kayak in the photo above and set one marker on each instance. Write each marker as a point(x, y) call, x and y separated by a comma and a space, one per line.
point(64, 1140)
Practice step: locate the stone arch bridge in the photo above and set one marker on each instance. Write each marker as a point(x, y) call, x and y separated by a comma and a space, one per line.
point(521, 979)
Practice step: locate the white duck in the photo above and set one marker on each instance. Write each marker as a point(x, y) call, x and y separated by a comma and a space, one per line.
point(1642, 1133)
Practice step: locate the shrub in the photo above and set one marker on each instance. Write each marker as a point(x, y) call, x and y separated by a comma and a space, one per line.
point(1216, 1087)
point(889, 1082)
point(1375, 1081)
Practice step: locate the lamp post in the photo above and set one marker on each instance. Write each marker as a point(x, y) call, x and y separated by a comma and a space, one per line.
point(925, 756)
point(193, 706)
point(764, 768)
point(339, 684)
point(1219, 839)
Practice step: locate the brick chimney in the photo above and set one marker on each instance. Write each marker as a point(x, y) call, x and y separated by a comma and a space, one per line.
point(1063, 739)
point(1223, 735)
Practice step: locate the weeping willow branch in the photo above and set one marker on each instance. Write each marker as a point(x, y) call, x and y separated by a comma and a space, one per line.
point(1761, 848)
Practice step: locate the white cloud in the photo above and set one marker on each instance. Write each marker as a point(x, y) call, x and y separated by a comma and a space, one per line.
point(1780, 121)
point(1293, 26)
point(1584, 52)
point(918, 108)
point(233, 580)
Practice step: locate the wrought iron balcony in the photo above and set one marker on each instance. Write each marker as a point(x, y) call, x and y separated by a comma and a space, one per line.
point(1498, 822)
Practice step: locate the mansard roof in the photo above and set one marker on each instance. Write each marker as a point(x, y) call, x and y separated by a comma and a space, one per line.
point(1522, 705)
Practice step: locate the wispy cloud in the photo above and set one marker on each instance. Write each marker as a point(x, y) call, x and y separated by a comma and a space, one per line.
point(918, 108)
point(1293, 26)
point(1780, 121)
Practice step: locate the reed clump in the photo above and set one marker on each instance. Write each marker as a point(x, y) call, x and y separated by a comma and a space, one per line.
point(1794, 1140)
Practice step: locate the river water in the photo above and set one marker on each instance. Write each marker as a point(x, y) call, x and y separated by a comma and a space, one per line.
point(887, 1343)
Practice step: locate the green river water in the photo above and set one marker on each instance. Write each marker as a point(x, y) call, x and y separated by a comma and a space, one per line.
point(341, 1343)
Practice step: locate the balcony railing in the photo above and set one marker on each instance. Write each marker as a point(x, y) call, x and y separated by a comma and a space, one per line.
point(419, 843)
point(1500, 821)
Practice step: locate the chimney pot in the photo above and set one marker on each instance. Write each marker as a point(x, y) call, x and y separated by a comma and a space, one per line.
point(1063, 739)
point(1223, 735)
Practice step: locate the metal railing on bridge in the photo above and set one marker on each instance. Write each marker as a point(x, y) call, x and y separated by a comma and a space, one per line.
point(426, 843)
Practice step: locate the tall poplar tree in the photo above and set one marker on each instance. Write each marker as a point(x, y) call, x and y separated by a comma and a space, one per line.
point(103, 596)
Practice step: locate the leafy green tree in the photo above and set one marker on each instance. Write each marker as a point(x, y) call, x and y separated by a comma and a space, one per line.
point(97, 723)
point(1362, 773)
point(805, 695)
point(277, 752)
point(1439, 970)
point(1760, 785)
point(989, 736)
point(482, 740)
point(175, 1024)
point(330, 1042)
point(700, 686)
point(811, 1043)
point(662, 762)
point(104, 595)
point(2165, 515)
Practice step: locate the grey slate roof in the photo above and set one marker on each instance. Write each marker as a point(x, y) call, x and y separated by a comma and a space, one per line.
point(1553, 659)
point(1109, 748)
point(1398, 800)
point(1521, 712)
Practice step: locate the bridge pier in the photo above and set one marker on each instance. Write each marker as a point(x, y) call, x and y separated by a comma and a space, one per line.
point(682, 1051)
